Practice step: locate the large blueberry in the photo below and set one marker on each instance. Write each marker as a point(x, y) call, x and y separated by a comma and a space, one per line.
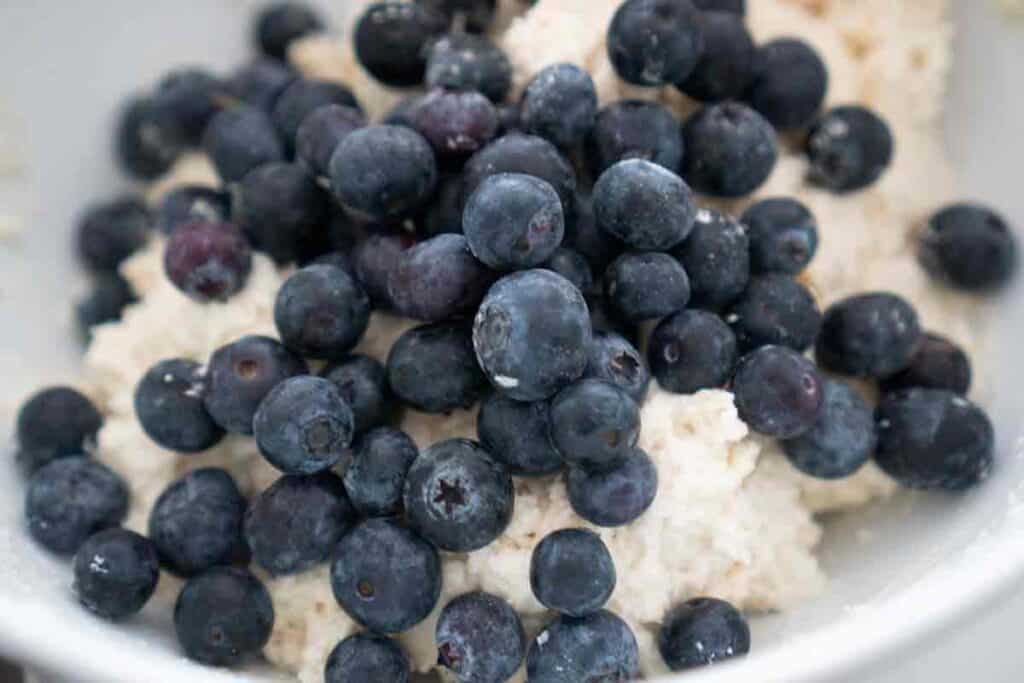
point(716, 256)
point(774, 309)
point(375, 257)
point(169, 404)
point(239, 139)
point(321, 312)
point(572, 572)
point(655, 42)
point(644, 205)
point(189, 97)
point(970, 247)
point(789, 83)
point(456, 123)
point(594, 423)
point(597, 647)
point(612, 358)
point(730, 150)
point(702, 631)
point(515, 433)
point(208, 261)
point(783, 235)
point(778, 392)
point(54, 423)
point(868, 335)
point(374, 475)
point(559, 104)
point(367, 658)
point(613, 497)
point(842, 439)
point(281, 23)
point(116, 572)
point(392, 40)
point(110, 232)
point(321, 132)
point(302, 98)
point(464, 61)
point(363, 382)
point(692, 350)
point(727, 62)
point(259, 82)
point(938, 363)
point(433, 368)
point(438, 278)
point(520, 153)
point(849, 148)
point(480, 639)
point(643, 285)
point(634, 129)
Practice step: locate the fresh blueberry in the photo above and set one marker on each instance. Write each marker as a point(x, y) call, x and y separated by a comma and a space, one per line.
point(734, 6)
point(692, 350)
point(53, 423)
point(458, 497)
point(109, 295)
point(642, 285)
point(655, 42)
point(401, 113)
point(444, 211)
point(321, 132)
point(520, 153)
point(584, 235)
point(438, 279)
point(783, 235)
point(613, 359)
point(634, 129)
point(385, 576)
point(169, 405)
point(222, 616)
point(515, 433)
point(208, 261)
point(373, 260)
point(192, 203)
point(432, 368)
point(716, 257)
point(480, 639)
point(456, 123)
point(702, 631)
point(375, 474)
point(644, 205)
point(842, 439)
point(392, 40)
point(281, 23)
point(476, 15)
point(775, 309)
point(594, 424)
point(532, 333)
point(367, 658)
point(259, 82)
point(727, 62)
point(302, 98)
point(196, 523)
point(597, 647)
point(296, 523)
point(938, 363)
point(116, 572)
point(869, 335)
point(240, 374)
point(730, 150)
point(189, 98)
point(969, 247)
point(849, 148)
point(147, 143)
point(778, 392)
point(616, 496)
point(70, 499)
point(572, 572)
point(321, 312)
point(934, 439)
point(363, 382)
point(467, 62)
point(110, 232)
point(559, 104)
point(572, 266)
point(789, 83)
point(240, 139)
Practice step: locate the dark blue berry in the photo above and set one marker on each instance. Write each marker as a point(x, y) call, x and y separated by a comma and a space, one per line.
point(392, 40)
point(612, 358)
point(616, 496)
point(281, 23)
point(634, 129)
point(467, 62)
point(458, 497)
point(476, 15)
point(934, 439)
point(192, 203)
point(375, 258)
point(70, 499)
point(692, 350)
point(716, 257)
point(54, 423)
point(734, 6)
point(783, 235)
point(842, 439)
point(644, 205)
point(559, 104)
point(520, 153)
point(597, 647)
point(321, 132)
point(375, 473)
point(116, 572)
point(196, 523)
point(508, 118)
point(778, 392)
point(789, 83)
point(432, 368)
point(240, 139)
point(109, 295)
point(169, 405)
point(730, 150)
point(572, 266)
point(655, 42)
point(480, 639)
point(386, 577)
point(849, 148)
point(302, 98)
point(260, 82)
point(937, 364)
point(110, 232)
point(368, 658)
point(584, 235)
point(969, 247)
point(401, 113)
point(146, 143)
point(321, 312)
point(532, 333)
point(774, 309)
point(208, 261)
point(339, 259)
point(363, 382)
point(702, 631)
point(444, 211)
point(515, 433)
point(438, 279)
point(456, 123)
point(642, 285)
point(189, 97)
point(869, 335)
point(572, 572)
point(603, 318)
point(223, 616)
point(594, 423)
point(727, 62)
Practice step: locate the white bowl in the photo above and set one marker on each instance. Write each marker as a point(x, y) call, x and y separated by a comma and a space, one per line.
point(930, 560)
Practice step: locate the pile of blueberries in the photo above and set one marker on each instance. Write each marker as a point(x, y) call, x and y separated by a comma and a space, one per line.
point(532, 239)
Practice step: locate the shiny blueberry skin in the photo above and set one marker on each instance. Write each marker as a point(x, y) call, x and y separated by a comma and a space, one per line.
point(778, 392)
point(70, 499)
point(53, 423)
point(583, 234)
point(730, 150)
point(842, 439)
point(240, 374)
point(634, 129)
point(321, 312)
point(368, 658)
point(692, 350)
point(515, 433)
point(321, 132)
point(476, 14)
point(375, 473)
point(521, 153)
point(934, 439)
point(643, 204)
point(969, 247)
point(208, 261)
point(531, 334)
point(643, 285)
point(480, 639)
point(260, 82)
point(469, 62)
point(655, 42)
point(458, 497)
point(222, 616)
point(386, 577)
point(281, 23)
point(789, 83)
point(612, 358)
point(432, 368)
point(938, 363)
point(240, 139)
point(702, 631)
point(734, 6)
point(513, 221)
point(559, 104)
point(597, 647)
point(572, 572)
point(110, 232)
point(169, 405)
point(774, 309)
point(116, 572)
point(196, 523)
point(363, 382)
point(374, 258)
point(456, 123)
point(783, 235)
point(302, 98)
point(191, 203)
point(613, 497)
point(716, 257)
point(727, 63)
point(572, 266)
point(392, 40)
point(295, 524)
point(146, 142)
point(849, 148)
point(189, 97)
point(105, 302)
point(438, 278)
point(868, 335)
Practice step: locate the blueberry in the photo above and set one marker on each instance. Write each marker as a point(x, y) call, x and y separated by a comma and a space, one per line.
point(192, 203)
point(572, 266)
point(281, 208)
point(559, 104)
point(438, 279)
point(196, 522)
point(969, 247)
point(583, 234)
point(467, 62)
point(302, 98)
point(734, 6)
point(515, 434)
point(613, 497)
point(321, 132)
point(54, 423)
point(259, 82)
point(480, 639)
point(842, 439)
point(110, 232)
point(444, 211)
point(321, 312)
point(432, 368)
point(597, 647)
point(634, 129)
point(401, 113)
point(477, 15)
point(692, 350)
point(702, 631)
point(368, 658)
point(70, 499)
point(188, 97)
point(849, 148)
point(783, 235)
point(169, 405)
point(375, 258)
point(281, 23)
point(146, 142)
point(458, 497)
point(644, 205)
point(727, 63)
point(531, 334)
point(208, 261)
point(240, 374)
point(363, 382)
point(222, 616)
point(612, 358)
point(109, 295)
point(789, 83)
point(375, 474)
point(778, 392)
point(775, 309)
point(240, 139)
point(520, 153)
point(934, 439)
point(508, 118)
point(456, 123)
point(655, 42)
point(385, 576)
point(869, 335)
point(643, 285)
point(730, 150)
point(716, 257)
point(116, 572)
point(296, 523)
point(594, 424)
point(937, 364)
point(572, 572)
point(392, 40)
point(603, 318)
